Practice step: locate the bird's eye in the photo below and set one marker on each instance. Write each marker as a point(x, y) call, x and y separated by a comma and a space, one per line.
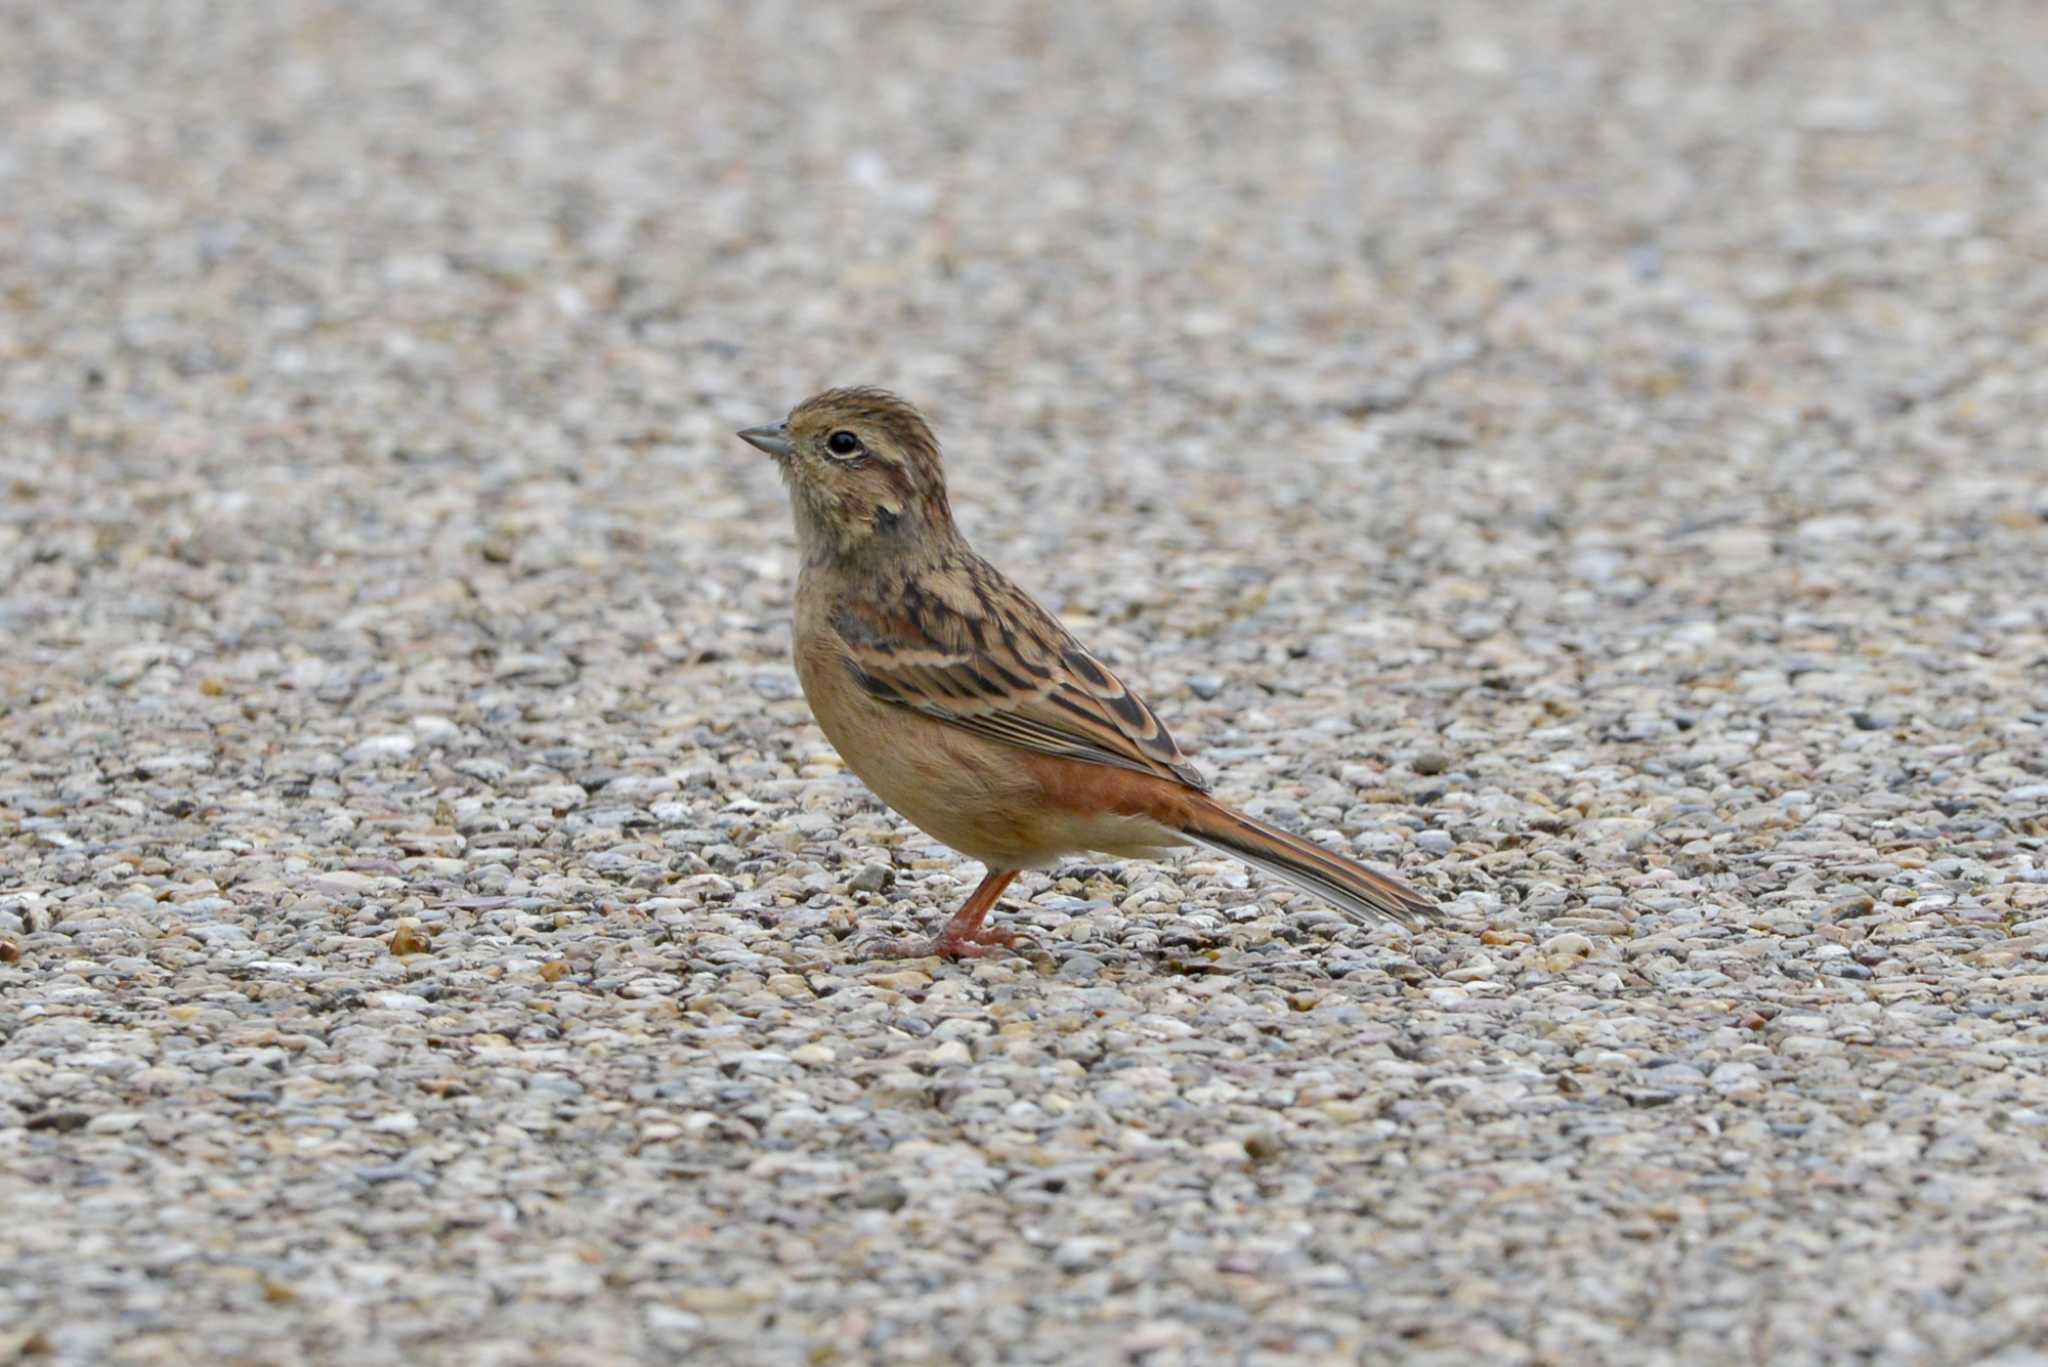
point(843, 443)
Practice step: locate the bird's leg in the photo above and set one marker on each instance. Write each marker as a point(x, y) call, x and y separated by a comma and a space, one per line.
point(964, 937)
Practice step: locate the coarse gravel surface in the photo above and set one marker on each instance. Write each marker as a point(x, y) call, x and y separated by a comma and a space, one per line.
point(1586, 457)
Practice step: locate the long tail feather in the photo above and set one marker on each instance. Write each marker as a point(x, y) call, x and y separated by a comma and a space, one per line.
point(1357, 892)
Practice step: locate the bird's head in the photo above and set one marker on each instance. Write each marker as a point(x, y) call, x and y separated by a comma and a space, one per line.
point(863, 472)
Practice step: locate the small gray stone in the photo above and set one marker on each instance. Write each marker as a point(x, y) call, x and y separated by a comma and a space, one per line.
point(881, 1193)
point(872, 878)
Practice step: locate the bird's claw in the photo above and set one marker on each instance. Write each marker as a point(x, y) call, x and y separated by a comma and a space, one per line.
point(951, 944)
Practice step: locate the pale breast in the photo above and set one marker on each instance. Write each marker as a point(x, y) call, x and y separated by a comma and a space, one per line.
point(957, 788)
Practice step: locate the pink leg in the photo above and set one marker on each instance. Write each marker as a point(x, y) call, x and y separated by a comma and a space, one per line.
point(964, 937)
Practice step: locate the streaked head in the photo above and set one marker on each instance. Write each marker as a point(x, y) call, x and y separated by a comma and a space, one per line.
point(862, 467)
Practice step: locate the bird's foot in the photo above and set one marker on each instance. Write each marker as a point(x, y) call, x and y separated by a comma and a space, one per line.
point(972, 944)
point(950, 944)
point(964, 936)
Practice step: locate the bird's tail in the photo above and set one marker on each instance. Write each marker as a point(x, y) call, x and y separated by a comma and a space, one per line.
point(1358, 893)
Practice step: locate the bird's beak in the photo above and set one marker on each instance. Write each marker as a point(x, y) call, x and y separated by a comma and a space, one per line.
point(774, 440)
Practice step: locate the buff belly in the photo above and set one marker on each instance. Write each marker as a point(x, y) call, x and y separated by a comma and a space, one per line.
point(983, 798)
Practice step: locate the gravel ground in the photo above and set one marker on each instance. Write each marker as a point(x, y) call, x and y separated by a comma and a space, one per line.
point(1588, 457)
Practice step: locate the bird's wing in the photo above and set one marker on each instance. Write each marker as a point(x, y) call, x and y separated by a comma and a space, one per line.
point(962, 643)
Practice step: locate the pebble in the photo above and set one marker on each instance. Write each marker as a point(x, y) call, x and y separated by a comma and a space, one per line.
point(872, 878)
point(380, 748)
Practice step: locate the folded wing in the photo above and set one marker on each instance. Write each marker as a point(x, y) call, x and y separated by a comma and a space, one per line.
point(963, 644)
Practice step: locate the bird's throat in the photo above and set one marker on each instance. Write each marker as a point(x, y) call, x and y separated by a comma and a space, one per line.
point(879, 535)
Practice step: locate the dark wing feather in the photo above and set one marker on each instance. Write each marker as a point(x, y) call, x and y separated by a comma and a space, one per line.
point(961, 643)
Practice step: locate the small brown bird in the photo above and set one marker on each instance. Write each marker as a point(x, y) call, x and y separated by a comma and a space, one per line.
point(969, 709)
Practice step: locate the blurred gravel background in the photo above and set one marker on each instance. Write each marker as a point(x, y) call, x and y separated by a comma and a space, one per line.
point(1588, 457)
